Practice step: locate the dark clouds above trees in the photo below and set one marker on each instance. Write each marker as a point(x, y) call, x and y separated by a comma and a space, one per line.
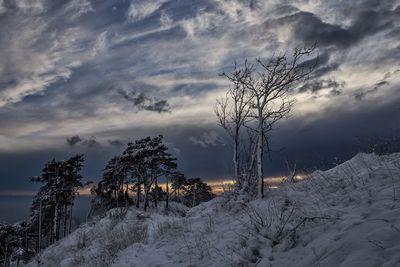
point(89, 76)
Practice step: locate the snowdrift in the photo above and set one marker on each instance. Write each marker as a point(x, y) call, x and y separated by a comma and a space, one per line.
point(346, 216)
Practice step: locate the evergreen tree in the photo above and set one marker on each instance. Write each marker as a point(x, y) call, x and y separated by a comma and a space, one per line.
point(112, 190)
point(49, 211)
point(138, 169)
point(176, 180)
point(196, 191)
point(147, 160)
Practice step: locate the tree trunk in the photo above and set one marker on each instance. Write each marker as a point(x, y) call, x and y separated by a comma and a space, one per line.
point(126, 195)
point(117, 192)
point(156, 196)
point(70, 218)
point(248, 183)
point(26, 238)
point(260, 147)
point(65, 220)
point(40, 226)
point(236, 158)
point(51, 235)
point(194, 196)
point(167, 198)
point(146, 197)
point(138, 193)
point(59, 225)
point(6, 261)
point(55, 220)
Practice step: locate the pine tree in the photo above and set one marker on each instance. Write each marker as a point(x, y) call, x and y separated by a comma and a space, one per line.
point(138, 169)
point(178, 180)
point(113, 189)
point(147, 160)
point(196, 191)
point(49, 211)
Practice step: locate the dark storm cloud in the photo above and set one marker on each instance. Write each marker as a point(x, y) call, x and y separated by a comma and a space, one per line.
point(325, 69)
point(335, 92)
point(76, 140)
point(380, 84)
point(16, 169)
point(317, 85)
point(91, 142)
point(135, 98)
point(322, 64)
point(340, 134)
point(389, 74)
point(143, 102)
point(362, 93)
point(73, 140)
point(158, 106)
point(334, 40)
point(308, 27)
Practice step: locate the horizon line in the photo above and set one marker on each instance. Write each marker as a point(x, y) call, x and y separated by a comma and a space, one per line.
point(215, 184)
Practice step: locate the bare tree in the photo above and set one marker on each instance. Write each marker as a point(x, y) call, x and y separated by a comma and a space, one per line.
point(261, 97)
point(271, 91)
point(232, 112)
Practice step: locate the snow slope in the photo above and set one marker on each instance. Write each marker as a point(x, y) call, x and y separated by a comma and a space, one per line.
point(346, 216)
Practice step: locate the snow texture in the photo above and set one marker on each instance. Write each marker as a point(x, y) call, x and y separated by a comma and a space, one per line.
point(346, 216)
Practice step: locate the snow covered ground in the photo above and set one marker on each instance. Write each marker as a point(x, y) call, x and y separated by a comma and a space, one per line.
point(346, 216)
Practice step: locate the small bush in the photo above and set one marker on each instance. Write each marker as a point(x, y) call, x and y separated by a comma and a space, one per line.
point(125, 235)
point(168, 228)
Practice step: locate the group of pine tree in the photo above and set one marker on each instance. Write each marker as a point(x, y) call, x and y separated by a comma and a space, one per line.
point(131, 178)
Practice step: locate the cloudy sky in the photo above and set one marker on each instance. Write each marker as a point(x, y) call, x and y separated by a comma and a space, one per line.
point(89, 75)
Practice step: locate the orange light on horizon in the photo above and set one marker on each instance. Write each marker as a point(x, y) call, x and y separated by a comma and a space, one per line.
point(217, 186)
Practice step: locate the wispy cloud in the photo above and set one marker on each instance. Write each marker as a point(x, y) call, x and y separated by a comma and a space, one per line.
point(138, 10)
point(35, 57)
point(77, 8)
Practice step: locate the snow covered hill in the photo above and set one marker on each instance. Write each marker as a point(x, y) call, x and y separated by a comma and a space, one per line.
point(346, 216)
